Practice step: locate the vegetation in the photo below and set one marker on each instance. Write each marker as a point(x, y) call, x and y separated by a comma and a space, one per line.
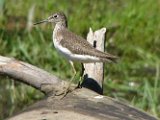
point(135, 79)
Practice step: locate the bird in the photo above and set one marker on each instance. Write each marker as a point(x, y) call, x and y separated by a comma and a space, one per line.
point(72, 46)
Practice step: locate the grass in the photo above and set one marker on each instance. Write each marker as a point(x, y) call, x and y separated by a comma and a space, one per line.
point(135, 79)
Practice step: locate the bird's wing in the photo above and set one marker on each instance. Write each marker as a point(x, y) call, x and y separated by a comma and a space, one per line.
point(82, 46)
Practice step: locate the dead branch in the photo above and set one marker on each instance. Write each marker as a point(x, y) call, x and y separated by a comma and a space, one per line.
point(30, 75)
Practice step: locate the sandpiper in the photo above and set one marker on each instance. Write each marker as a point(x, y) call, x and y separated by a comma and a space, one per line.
point(72, 46)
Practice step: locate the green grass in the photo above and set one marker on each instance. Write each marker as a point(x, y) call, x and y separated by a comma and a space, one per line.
point(135, 79)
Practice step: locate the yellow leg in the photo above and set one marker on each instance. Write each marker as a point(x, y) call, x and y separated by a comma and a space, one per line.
point(81, 77)
point(74, 70)
point(70, 82)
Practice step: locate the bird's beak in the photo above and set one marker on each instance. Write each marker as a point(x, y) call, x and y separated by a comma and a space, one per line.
point(43, 21)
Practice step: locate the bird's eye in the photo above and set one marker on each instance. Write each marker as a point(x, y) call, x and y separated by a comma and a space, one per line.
point(55, 16)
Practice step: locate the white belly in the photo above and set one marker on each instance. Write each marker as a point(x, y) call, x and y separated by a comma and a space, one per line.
point(74, 57)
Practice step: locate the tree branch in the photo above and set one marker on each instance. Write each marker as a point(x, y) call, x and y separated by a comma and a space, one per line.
point(29, 74)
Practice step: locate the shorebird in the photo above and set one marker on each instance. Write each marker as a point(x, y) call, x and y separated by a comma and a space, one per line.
point(72, 46)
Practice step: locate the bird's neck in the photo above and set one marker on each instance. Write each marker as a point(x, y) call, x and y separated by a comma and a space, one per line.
point(61, 25)
point(58, 27)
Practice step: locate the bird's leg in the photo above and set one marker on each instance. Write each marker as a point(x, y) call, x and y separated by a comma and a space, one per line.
point(81, 76)
point(70, 82)
point(74, 71)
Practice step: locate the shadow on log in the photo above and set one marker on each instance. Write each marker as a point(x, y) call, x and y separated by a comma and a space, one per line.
point(80, 104)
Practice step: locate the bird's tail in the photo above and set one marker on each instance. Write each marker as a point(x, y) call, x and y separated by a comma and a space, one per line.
point(106, 57)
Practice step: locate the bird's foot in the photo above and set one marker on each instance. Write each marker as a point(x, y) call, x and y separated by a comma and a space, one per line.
point(63, 92)
point(80, 82)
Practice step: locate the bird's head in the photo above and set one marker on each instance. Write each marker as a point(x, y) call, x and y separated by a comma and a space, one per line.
point(55, 18)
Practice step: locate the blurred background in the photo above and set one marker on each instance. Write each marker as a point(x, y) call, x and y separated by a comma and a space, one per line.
point(135, 79)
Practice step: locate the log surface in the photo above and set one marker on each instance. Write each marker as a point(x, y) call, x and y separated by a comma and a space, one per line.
point(82, 104)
